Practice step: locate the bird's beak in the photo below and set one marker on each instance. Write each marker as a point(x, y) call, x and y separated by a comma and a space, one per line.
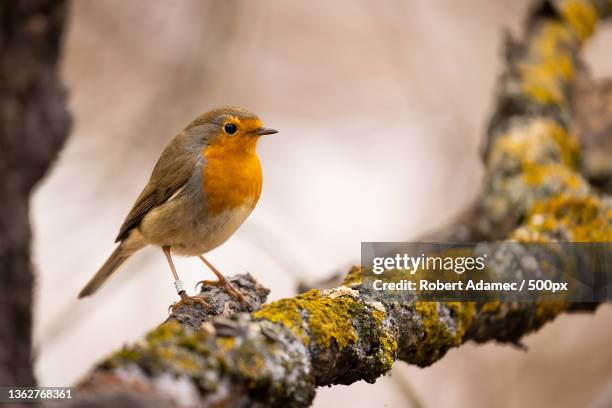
point(266, 131)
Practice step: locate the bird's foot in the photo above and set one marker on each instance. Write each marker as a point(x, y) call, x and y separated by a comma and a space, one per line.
point(188, 300)
point(229, 288)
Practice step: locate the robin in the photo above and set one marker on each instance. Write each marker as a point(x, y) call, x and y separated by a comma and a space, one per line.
point(205, 184)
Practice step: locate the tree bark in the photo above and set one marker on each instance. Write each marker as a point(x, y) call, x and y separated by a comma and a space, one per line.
point(34, 123)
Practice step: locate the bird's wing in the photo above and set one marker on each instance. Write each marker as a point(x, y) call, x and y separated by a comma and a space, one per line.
point(172, 171)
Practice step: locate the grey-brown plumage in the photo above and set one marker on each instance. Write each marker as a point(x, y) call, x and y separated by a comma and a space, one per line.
point(170, 174)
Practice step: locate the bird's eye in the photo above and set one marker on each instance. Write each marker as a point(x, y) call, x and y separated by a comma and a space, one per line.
point(230, 128)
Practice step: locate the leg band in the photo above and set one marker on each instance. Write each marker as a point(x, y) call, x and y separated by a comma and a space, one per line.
point(179, 285)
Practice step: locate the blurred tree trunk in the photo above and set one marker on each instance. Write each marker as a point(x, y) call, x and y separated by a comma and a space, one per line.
point(34, 123)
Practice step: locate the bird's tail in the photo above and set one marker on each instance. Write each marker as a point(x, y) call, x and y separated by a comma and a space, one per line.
point(114, 261)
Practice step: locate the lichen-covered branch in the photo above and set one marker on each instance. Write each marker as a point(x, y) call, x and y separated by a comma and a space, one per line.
point(279, 353)
point(531, 158)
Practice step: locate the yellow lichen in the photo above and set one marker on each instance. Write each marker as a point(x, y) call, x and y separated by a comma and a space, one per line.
point(164, 332)
point(250, 362)
point(567, 144)
point(463, 314)
point(327, 318)
point(581, 15)
point(547, 310)
point(490, 307)
point(552, 38)
point(540, 82)
point(378, 316)
point(541, 141)
point(438, 337)
point(226, 342)
point(579, 218)
point(332, 319)
point(548, 65)
point(536, 175)
point(126, 354)
point(167, 347)
point(353, 277)
point(387, 342)
point(180, 359)
point(286, 312)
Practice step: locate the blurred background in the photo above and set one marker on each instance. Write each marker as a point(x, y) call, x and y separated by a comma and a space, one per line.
point(381, 107)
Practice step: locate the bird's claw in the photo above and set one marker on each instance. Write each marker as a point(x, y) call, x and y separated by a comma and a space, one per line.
point(187, 300)
point(229, 288)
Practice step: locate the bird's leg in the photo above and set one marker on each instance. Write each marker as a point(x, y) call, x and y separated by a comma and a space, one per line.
point(222, 281)
point(180, 288)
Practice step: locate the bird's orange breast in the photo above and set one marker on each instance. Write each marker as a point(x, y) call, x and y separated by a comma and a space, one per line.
point(231, 174)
